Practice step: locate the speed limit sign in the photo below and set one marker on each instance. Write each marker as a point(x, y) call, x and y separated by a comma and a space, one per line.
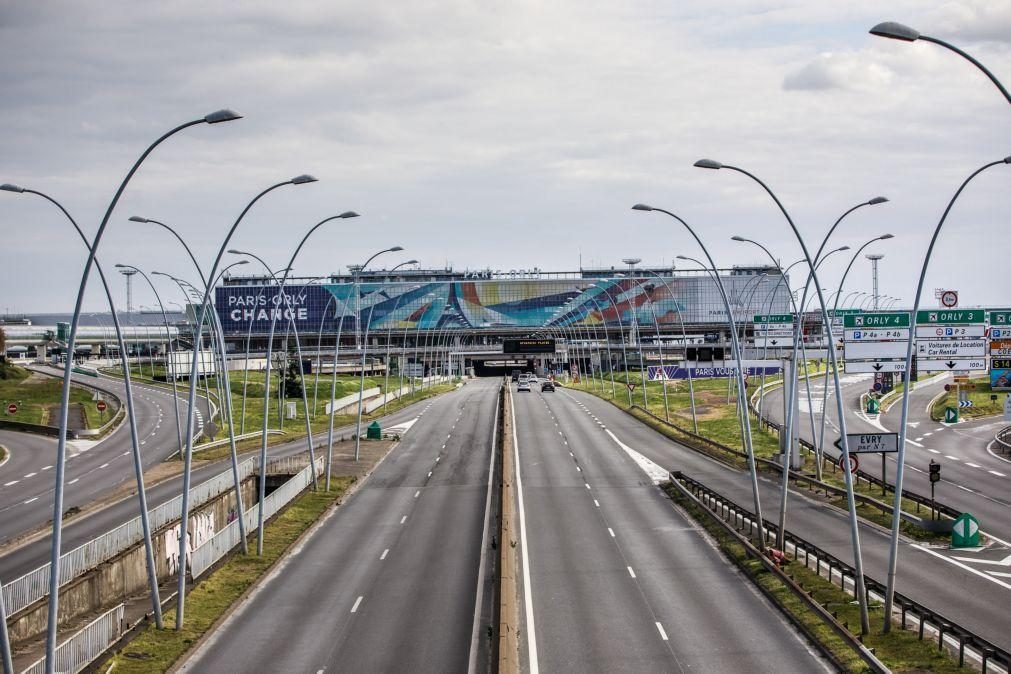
point(854, 464)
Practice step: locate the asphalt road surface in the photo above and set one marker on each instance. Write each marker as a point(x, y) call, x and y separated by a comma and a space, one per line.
point(619, 580)
point(972, 588)
point(390, 581)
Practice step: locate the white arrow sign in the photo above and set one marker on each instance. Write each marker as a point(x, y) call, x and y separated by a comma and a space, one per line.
point(865, 366)
point(950, 364)
point(774, 342)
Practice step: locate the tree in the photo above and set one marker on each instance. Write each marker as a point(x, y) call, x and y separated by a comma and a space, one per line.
point(293, 380)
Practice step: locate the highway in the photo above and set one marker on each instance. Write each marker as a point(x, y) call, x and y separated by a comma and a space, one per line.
point(93, 467)
point(619, 579)
point(972, 479)
point(973, 593)
point(79, 530)
point(390, 581)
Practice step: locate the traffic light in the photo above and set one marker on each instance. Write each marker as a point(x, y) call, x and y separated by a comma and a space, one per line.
point(935, 471)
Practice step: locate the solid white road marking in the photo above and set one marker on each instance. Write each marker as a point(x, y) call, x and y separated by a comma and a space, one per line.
point(383, 556)
point(663, 635)
point(358, 601)
point(963, 566)
point(528, 602)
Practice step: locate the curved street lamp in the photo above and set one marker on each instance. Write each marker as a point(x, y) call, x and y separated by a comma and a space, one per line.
point(217, 117)
point(900, 465)
point(854, 521)
point(898, 31)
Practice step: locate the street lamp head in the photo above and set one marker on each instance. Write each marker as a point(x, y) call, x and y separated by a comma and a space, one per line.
point(223, 115)
point(895, 31)
point(682, 257)
point(137, 218)
point(877, 200)
point(642, 207)
point(8, 187)
point(304, 178)
point(884, 237)
point(1007, 160)
point(411, 262)
point(843, 248)
point(234, 251)
point(235, 264)
point(737, 238)
point(708, 164)
point(348, 214)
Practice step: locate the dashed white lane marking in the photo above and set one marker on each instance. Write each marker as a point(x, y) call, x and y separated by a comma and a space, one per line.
point(994, 472)
point(46, 467)
point(933, 451)
point(74, 480)
point(587, 485)
point(596, 503)
point(953, 458)
point(383, 556)
point(663, 634)
point(429, 473)
point(417, 493)
point(610, 531)
point(438, 458)
point(354, 609)
point(7, 484)
point(973, 465)
point(579, 469)
point(630, 571)
point(403, 519)
point(34, 498)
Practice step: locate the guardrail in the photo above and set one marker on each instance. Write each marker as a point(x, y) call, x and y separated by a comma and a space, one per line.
point(1003, 439)
point(221, 543)
point(947, 632)
point(85, 646)
point(34, 585)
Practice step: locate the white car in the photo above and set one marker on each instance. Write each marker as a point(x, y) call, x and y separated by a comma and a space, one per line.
point(523, 386)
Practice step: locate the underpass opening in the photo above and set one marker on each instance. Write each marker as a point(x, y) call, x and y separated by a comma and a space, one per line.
point(501, 366)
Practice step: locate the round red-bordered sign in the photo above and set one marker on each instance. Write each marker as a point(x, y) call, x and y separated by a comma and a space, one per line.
point(949, 298)
point(12, 408)
point(101, 406)
point(854, 464)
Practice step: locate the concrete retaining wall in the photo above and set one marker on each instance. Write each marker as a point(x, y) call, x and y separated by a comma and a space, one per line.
point(125, 575)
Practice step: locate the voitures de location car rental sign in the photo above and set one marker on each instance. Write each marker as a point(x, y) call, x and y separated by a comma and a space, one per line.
point(875, 341)
point(952, 340)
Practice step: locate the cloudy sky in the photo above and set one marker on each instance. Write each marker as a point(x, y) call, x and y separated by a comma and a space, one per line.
point(502, 134)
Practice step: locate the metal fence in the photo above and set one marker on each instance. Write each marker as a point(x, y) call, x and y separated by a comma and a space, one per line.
point(219, 545)
point(34, 585)
point(1003, 439)
point(80, 650)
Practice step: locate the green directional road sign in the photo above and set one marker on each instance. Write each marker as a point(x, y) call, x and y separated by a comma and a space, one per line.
point(873, 406)
point(1000, 318)
point(845, 312)
point(950, 316)
point(774, 318)
point(950, 415)
point(879, 319)
point(965, 532)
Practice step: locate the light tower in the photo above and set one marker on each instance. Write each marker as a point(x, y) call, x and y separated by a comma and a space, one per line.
point(633, 329)
point(128, 273)
point(874, 257)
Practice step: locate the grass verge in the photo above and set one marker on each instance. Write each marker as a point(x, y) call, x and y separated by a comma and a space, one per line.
point(38, 399)
point(901, 650)
point(980, 394)
point(155, 650)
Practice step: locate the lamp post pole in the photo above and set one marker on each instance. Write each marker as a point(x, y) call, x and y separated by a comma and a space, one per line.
point(735, 346)
point(624, 352)
point(893, 551)
point(854, 521)
point(684, 339)
point(61, 450)
point(607, 338)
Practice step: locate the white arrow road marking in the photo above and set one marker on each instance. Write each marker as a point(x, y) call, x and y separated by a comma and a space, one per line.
point(996, 562)
point(963, 566)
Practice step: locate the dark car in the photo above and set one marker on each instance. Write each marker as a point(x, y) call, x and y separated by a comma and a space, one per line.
point(516, 375)
point(547, 385)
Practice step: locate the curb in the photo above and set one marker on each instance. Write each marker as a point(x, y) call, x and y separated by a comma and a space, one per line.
point(508, 623)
